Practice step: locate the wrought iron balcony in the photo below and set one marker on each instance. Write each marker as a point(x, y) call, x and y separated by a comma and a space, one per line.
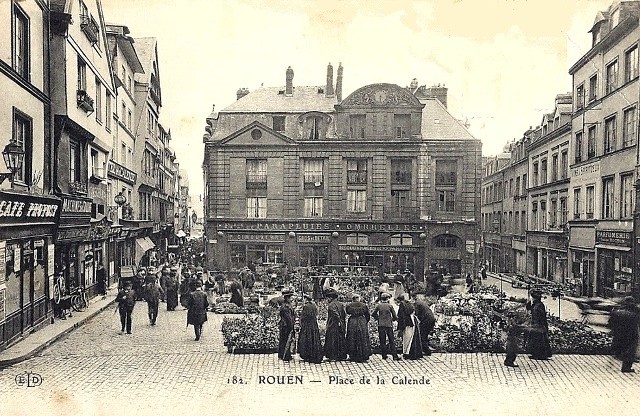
point(401, 178)
point(84, 101)
point(356, 177)
point(256, 181)
point(90, 28)
point(78, 187)
point(403, 212)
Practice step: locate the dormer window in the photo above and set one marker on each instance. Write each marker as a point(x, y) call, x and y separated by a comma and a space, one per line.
point(402, 124)
point(315, 125)
point(278, 123)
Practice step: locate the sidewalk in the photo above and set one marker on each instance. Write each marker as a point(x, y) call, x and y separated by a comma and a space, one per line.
point(32, 343)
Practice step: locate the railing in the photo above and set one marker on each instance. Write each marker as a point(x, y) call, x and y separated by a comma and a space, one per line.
point(400, 178)
point(257, 181)
point(78, 187)
point(89, 27)
point(406, 212)
point(84, 101)
point(355, 177)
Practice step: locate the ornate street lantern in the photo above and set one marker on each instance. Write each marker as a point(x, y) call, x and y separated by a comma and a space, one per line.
point(120, 199)
point(13, 156)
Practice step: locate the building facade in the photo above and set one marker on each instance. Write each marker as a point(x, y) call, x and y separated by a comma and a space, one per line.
point(384, 178)
point(603, 155)
point(494, 249)
point(28, 212)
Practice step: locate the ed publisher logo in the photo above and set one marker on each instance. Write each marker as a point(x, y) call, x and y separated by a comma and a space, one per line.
point(28, 379)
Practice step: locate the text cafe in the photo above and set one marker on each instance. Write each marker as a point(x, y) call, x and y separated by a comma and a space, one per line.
point(27, 226)
point(390, 246)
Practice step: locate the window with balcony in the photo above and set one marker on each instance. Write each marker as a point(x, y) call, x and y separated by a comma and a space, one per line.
point(534, 216)
point(609, 135)
point(553, 214)
point(554, 167)
point(607, 198)
point(580, 96)
point(446, 201)
point(23, 137)
point(402, 124)
point(593, 88)
point(535, 173)
point(629, 127)
point(563, 211)
point(21, 43)
point(313, 172)
point(445, 241)
point(564, 165)
point(400, 172)
point(577, 207)
point(578, 148)
point(356, 201)
point(356, 171)
point(626, 196)
point(256, 173)
point(591, 142)
point(278, 123)
point(88, 24)
point(313, 206)
point(590, 201)
point(257, 207)
point(612, 76)
point(357, 126)
point(543, 215)
point(631, 64)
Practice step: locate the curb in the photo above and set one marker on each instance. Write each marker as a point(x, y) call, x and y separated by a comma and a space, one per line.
point(11, 361)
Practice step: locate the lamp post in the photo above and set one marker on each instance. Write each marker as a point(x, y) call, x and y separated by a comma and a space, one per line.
point(13, 156)
point(120, 200)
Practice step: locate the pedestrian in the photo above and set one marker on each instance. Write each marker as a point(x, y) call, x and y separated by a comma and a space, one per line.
point(152, 294)
point(623, 322)
point(171, 290)
point(385, 314)
point(309, 343)
point(538, 344)
point(236, 294)
point(185, 288)
point(335, 348)
point(285, 327)
point(427, 321)
point(164, 275)
point(358, 342)
point(138, 282)
point(126, 300)
point(197, 305)
point(409, 329)
point(317, 288)
point(101, 277)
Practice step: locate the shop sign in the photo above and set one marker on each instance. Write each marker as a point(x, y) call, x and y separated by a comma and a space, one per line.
point(389, 249)
point(74, 233)
point(18, 209)
point(277, 238)
point(470, 245)
point(3, 261)
point(616, 238)
point(318, 226)
point(585, 173)
point(17, 259)
point(314, 238)
point(98, 192)
point(118, 171)
point(76, 206)
point(50, 261)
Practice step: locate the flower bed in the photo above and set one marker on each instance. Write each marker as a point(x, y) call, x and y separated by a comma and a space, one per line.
point(465, 323)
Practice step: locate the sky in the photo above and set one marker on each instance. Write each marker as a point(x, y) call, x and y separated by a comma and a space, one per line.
point(503, 61)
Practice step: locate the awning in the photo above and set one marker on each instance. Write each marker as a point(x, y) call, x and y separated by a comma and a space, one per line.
point(181, 234)
point(142, 246)
point(610, 247)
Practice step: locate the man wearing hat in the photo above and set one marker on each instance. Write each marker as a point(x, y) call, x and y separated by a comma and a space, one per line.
point(126, 300)
point(624, 322)
point(385, 314)
point(335, 345)
point(197, 305)
point(285, 326)
point(171, 289)
point(538, 344)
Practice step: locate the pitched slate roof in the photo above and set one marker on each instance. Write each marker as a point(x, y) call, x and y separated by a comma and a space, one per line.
point(439, 124)
point(269, 100)
point(146, 49)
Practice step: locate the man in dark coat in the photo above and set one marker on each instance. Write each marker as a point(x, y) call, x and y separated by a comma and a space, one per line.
point(285, 327)
point(386, 314)
point(171, 290)
point(126, 300)
point(538, 344)
point(409, 328)
point(427, 321)
point(138, 283)
point(309, 343)
point(101, 277)
point(335, 347)
point(624, 322)
point(197, 305)
point(152, 295)
point(236, 294)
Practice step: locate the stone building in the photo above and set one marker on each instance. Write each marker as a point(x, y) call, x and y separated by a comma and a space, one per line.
point(494, 249)
point(384, 178)
point(603, 155)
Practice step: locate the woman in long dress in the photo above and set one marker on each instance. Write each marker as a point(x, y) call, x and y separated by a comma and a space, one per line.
point(409, 328)
point(358, 342)
point(538, 344)
point(309, 343)
point(335, 347)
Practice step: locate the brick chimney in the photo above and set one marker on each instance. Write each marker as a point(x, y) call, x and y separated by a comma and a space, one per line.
point(329, 89)
point(288, 90)
point(339, 83)
point(241, 92)
point(438, 92)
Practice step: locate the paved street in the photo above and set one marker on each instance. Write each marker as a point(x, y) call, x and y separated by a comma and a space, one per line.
point(98, 371)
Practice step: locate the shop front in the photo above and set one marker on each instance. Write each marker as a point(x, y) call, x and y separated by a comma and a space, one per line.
point(582, 255)
point(27, 226)
point(392, 246)
point(71, 240)
point(615, 263)
point(548, 255)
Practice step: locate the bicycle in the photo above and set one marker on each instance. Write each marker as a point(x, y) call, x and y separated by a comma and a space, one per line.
point(79, 300)
point(58, 289)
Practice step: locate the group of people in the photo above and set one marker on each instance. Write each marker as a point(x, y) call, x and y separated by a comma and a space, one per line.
point(347, 334)
point(165, 286)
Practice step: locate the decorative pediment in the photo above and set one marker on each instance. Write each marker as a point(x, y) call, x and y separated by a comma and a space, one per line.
point(381, 95)
point(326, 117)
point(256, 134)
